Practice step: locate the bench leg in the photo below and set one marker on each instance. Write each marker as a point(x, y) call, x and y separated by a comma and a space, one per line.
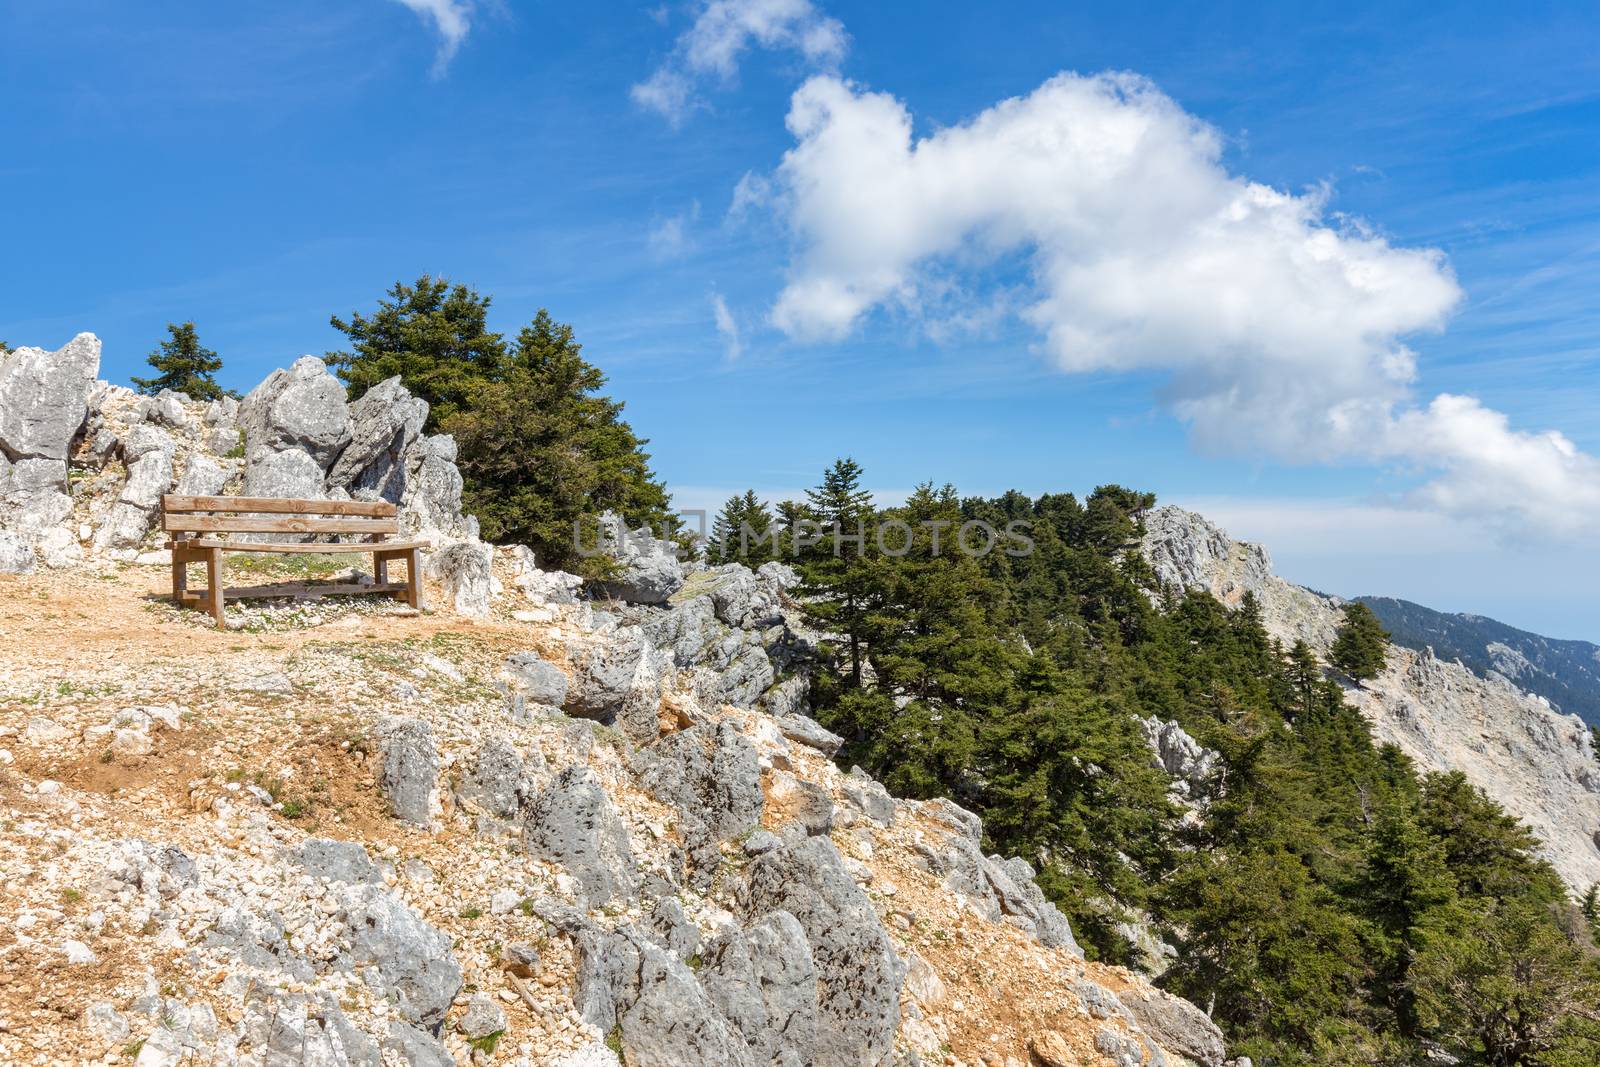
point(380, 568)
point(180, 576)
point(413, 578)
point(214, 580)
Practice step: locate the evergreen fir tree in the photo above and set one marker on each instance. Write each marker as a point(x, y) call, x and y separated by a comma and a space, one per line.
point(837, 569)
point(185, 366)
point(722, 546)
point(434, 335)
point(1361, 644)
point(754, 541)
point(542, 451)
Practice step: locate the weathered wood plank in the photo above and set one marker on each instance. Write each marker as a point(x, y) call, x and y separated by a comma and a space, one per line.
point(282, 524)
point(277, 505)
point(399, 548)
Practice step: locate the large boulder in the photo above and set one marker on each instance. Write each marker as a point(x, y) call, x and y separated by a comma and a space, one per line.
point(148, 452)
point(301, 408)
point(763, 981)
point(466, 571)
point(292, 473)
point(712, 771)
point(412, 958)
point(604, 672)
point(494, 779)
point(572, 822)
point(430, 506)
point(383, 424)
point(652, 1001)
point(648, 570)
point(408, 772)
point(44, 399)
point(1175, 1025)
point(858, 974)
point(730, 665)
point(537, 678)
point(202, 476)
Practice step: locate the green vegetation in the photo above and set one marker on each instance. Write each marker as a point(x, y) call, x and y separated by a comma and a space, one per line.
point(185, 366)
point(541, 449)
point(742, 532)
point(1328, 904)
point(1361, 645)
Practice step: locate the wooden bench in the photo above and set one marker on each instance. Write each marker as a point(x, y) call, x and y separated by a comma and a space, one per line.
point(195, 521)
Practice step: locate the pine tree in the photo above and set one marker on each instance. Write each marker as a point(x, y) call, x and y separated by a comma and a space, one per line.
point(1410, 895)
point(1507, 988)
point(722, 545)
point(837, 569)
point(1361, 645)
point(1305, 676)
point(754, 536)
point(185, 366)
point(434, 335)
point(1591, 909)
point(790, 515)
point(541, 450)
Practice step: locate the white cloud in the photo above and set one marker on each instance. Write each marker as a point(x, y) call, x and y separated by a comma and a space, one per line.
point(451, 19)
point(1280, 329)
point(732, 345)
point(725, 29)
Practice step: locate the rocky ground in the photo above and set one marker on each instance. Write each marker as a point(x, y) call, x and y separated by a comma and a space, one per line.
point(357, 834)
point(1536, 762)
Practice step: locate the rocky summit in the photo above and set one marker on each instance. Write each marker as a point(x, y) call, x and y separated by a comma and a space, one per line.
point(524, 826)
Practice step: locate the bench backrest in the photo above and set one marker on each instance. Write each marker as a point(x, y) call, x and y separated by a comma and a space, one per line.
point(185, 515)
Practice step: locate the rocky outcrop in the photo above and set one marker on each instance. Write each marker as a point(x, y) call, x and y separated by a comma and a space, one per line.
point(858, 973)
point(293, 435)
point(1189, 764)
point(647, 569)
point(572, 822)
point(44, 402)
point(1537, 763)
point(412, 957)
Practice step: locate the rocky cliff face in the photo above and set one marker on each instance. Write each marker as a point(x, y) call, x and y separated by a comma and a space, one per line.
point(524, 827)
point(1538, 763)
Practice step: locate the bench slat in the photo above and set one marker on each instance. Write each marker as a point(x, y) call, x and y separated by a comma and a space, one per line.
point(281, 524)
point(269, 505)
point(275, 546)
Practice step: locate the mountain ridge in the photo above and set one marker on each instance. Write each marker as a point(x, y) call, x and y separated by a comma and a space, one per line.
point(1565, 672)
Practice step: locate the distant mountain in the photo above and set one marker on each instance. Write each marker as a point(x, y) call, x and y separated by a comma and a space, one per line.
point(1567, 673)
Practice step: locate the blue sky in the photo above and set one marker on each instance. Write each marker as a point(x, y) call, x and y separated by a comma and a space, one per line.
point(259, 167)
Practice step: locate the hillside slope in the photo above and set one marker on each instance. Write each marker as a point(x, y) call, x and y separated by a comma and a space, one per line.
point(1537, 762)
point(1566, 673)
point(521, 827)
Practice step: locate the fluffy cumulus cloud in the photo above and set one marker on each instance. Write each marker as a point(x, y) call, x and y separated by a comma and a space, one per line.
point(451, 19)
point(1278, 328)
point(724, 30)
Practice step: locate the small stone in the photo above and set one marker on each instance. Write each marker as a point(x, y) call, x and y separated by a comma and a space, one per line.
point(483, 1017)
point(78, 953)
